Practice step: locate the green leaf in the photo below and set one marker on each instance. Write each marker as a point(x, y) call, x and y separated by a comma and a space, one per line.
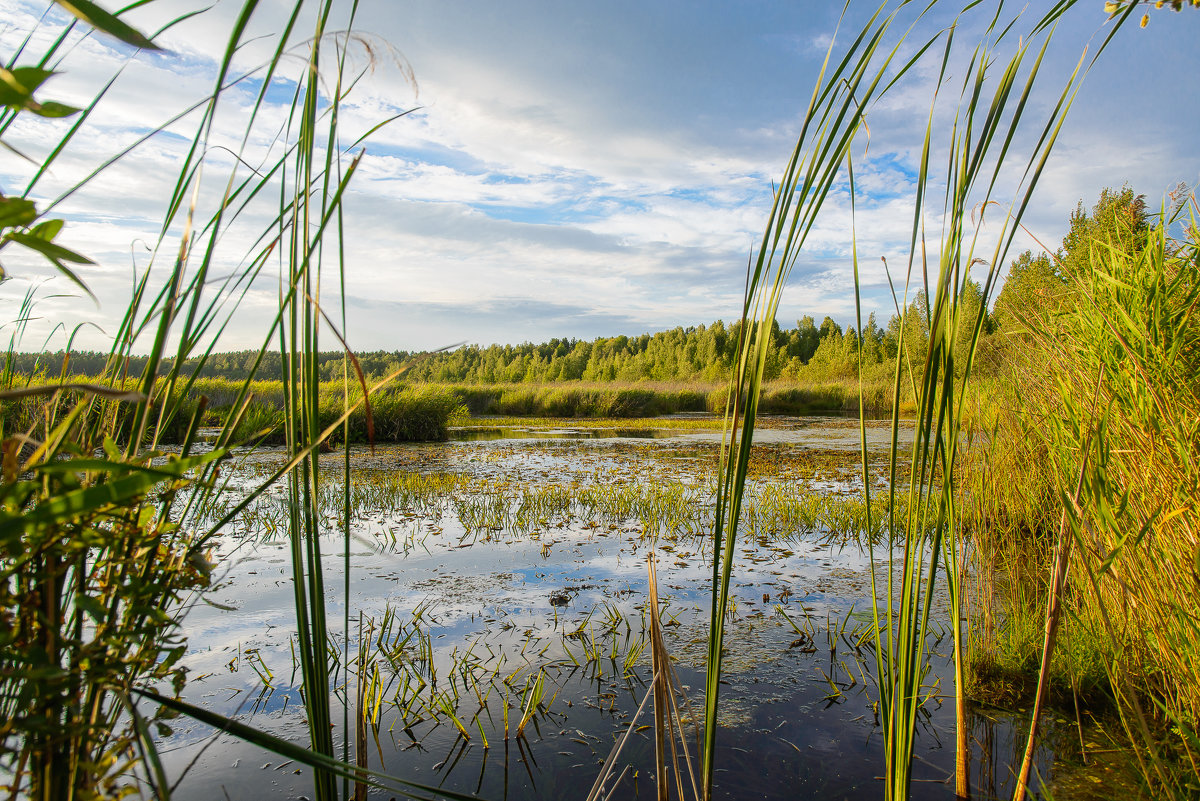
point(105, 22)
point(90, 605)
point(57, 254)
point(16, 211)
point(75, 279)
point(47, 230)
point(18, 84)
point(48, 249)
point(31, 78)
point(86, 501)
point(52, 109)
point(86, 465)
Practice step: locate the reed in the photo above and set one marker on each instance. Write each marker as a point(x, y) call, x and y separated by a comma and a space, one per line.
point(1120, 394)
point(834, 115)
point(402, 414)
point(103, 532)
point(924, 534)
point(93, 561)
point(982, 122)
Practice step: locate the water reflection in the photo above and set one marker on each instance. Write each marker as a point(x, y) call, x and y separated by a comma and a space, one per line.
point(459, 622)
point(485, 434)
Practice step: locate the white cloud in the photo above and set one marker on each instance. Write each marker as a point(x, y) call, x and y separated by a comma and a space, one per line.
point(610, 167)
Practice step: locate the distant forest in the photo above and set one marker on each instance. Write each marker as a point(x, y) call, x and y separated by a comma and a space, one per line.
point(704, 353)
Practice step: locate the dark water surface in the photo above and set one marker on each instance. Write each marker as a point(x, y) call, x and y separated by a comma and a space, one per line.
point(562, 595)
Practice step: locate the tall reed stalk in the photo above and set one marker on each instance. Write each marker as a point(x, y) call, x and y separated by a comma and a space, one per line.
point(96, 551)
point(831, 123)
point(988, 125)
point(988, 114)
point(298, 344)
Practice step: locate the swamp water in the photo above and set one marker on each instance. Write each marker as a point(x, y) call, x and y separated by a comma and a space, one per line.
point(498, 583)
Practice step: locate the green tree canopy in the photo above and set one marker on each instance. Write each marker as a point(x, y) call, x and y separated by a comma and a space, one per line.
point(1032, 283)
point(1118, 221)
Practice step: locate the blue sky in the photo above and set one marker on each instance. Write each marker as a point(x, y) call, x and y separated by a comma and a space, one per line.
point(575, 169)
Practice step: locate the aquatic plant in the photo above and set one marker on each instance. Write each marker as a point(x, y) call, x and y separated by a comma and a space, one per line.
point(981, 124)
point(987, 116)
point(93, 560)
point(104, 532)
point(843, 89)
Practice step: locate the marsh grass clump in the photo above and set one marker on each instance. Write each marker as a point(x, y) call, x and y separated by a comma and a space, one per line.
point(1002, 672)
point(26, 410)
point(533, 424)
point(422, 413)
point(783, 397)
point(583, 401)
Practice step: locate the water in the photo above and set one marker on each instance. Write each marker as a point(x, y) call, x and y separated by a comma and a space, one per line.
point(488, 434)
point(561, 593)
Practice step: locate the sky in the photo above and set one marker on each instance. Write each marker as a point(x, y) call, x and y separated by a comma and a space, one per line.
point(567, 170)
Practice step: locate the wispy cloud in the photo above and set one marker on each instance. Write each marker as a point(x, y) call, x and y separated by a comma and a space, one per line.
point(567, 171)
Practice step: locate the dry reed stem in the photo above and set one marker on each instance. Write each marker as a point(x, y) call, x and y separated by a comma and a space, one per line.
point(661, 687)
point(1053, 611)
point(360, 728)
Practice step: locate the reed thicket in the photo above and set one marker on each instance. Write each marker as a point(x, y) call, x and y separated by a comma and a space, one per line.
point(93, 559)
point(1091, 463)
point(927, 534)
point(101, 530)
point(445, 403)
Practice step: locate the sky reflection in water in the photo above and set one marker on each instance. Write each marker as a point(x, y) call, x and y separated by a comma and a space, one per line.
point(797, 709)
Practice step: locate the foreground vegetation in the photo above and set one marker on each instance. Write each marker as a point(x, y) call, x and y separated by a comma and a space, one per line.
point(99, 538)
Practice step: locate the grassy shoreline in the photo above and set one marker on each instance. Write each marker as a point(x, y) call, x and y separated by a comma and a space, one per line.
point(424, 412)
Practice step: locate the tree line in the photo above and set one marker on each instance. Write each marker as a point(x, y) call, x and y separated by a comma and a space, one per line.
point(696, 353)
